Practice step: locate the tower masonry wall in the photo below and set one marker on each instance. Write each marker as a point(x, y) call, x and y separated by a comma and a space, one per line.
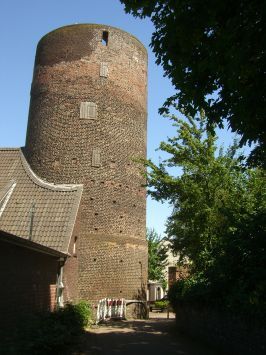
point(87, 124)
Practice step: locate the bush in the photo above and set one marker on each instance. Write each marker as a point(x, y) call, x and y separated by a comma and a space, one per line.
point(161, 304)
point(186, 291)
point(51, 332)
point(198, 291)
point(78, 315)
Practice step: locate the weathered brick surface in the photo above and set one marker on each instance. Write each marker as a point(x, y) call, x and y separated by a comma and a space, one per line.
point(112, 254)
point(28, 282)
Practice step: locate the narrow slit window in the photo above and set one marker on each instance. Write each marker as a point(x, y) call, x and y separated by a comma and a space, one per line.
point(96, 158)
point(104, 70)
point(105, 38)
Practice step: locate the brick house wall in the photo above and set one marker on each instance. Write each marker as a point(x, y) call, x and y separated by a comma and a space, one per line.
point(87, 124)
point(28, 282)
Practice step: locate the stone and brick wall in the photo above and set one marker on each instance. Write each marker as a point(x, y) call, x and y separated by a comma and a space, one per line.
point(28, 282)
point(87, 124)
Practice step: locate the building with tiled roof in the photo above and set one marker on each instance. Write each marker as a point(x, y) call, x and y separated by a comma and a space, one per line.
point(32, 208)
point(36, 225)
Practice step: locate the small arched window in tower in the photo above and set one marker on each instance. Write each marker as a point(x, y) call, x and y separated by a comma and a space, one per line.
point(88, 110)
point(105, 38)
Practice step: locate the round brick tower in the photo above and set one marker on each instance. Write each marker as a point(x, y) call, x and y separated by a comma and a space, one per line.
point(87, 125)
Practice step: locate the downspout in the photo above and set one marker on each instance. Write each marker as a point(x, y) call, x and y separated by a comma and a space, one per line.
point(32, 212)
point(60, 285)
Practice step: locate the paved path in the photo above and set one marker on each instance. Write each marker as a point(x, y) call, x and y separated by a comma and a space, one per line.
point(149, 337)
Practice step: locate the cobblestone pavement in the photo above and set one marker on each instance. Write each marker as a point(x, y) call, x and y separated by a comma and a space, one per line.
point(150, 337)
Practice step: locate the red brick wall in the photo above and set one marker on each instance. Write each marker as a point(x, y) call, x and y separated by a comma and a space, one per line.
point(112, 252)
point(28, 281)
point(175, 273)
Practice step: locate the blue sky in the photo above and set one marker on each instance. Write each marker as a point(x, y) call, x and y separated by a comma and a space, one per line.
point(23, 23)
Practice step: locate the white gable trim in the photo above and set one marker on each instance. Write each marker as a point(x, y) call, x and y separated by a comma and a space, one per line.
point(6, 197)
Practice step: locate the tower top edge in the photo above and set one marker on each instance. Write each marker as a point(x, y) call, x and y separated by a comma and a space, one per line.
point(91, 26)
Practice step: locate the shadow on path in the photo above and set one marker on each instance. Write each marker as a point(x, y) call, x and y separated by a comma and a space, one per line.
point(149, 337)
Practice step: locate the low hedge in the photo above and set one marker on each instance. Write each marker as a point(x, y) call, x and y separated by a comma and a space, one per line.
point(50, 332)
point(161, 304)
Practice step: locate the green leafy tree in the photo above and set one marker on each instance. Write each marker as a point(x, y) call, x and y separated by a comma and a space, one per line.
point(218, 218)
point(157, 256)
point(213, 47)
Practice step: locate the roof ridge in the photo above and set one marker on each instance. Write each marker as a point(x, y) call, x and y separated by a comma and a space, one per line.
point(48, 185)
point(10, 148)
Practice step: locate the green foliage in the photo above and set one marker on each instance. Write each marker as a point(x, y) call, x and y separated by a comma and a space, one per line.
point(81, 312)
point(51, 332)
point(192, 290)
point(213, 47)
point(218, 218)
point(157, 256)
point(161, 304)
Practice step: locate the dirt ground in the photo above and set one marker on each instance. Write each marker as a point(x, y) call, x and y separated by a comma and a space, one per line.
point(154, 336)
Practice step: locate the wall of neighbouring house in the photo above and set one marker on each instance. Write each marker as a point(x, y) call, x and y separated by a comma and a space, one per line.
point(155, 291)
point(28, 282)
